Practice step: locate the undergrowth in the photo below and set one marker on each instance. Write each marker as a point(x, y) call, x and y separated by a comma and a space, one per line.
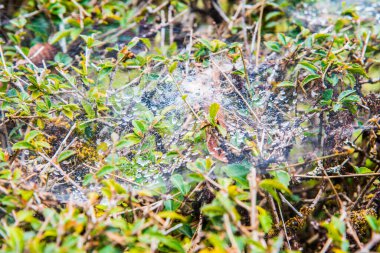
point(188, 126)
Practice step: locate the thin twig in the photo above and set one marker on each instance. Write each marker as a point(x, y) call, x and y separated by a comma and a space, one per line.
point(289, 204)
point(375, 239)
point(26, 57)
point(237, 91)
point(227, 226)
point(259, 32)
point(331, 184)
point(244, 26)
point(221, 12)
point(317, 198)
point(61, 171)
point(183, 96)
point(188, 49)
point(338, 176)
point(253, 192)
point(162, 29)
point(245, 69)
point(284, 226)
point(70, 82)
point(365, 46)
point(364, 191)
point(318, 159)
point(274, 209)
point(3, 61)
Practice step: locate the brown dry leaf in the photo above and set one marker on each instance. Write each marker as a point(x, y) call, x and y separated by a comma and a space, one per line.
point(214, 149)
point(212, 140)
point(40, 53)
point(220, 119)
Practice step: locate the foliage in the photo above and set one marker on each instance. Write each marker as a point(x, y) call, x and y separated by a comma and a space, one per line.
point(91, 162)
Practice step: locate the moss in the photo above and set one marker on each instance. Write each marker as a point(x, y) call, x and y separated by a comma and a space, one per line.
point(295, 224)
point(86, 152)
point(360, 223)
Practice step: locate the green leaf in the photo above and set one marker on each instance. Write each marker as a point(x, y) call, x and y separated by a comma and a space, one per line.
point(214, 108)
point(59, 35)
point(104, 72)
point(373, 223)
point(327, 94)
point(237, 172)
point(217, 45)
point(281, 37)
point(62, 58)
point(339, 224)
point(351, 99)
point(337, 107)
point(2, 156)
point(281, 176)
point(274, 46)
point(169, 205)
point(88, 179)
point(308, 42)
point(133, 42)
point(68, 113)
point(362, 170)
point(337, 231)
point(42, 144)
point(333, 79)
point(31, 135)
point(88, 39)
point(88, 109)
point(308, 66)
point(271, 185)
point(206, 43)
point(345, 94)
point(15, 239)
point(172, 215)
point(65, 154)
point(265, 219)
point(273, 14)
point(310, 78)
point(172, 243)
point(357, 69)
point(128, 141)
point(180, 184)
point(146, 42)
point(140, 127)
point(286, 84)
point(23, 145)
point(75, 32)
point(105, 170)
point(321, 36)
point(173, 67)
point(160, 58)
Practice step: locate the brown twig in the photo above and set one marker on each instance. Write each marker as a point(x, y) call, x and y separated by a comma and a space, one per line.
point(237, 92)
point(338, 176)
point(245, 69)
point(364, 191)
point(284, 226)
point(252, 177)
point(259, 32)
point(61, 171)
point(332, 185)
point(375, 239)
